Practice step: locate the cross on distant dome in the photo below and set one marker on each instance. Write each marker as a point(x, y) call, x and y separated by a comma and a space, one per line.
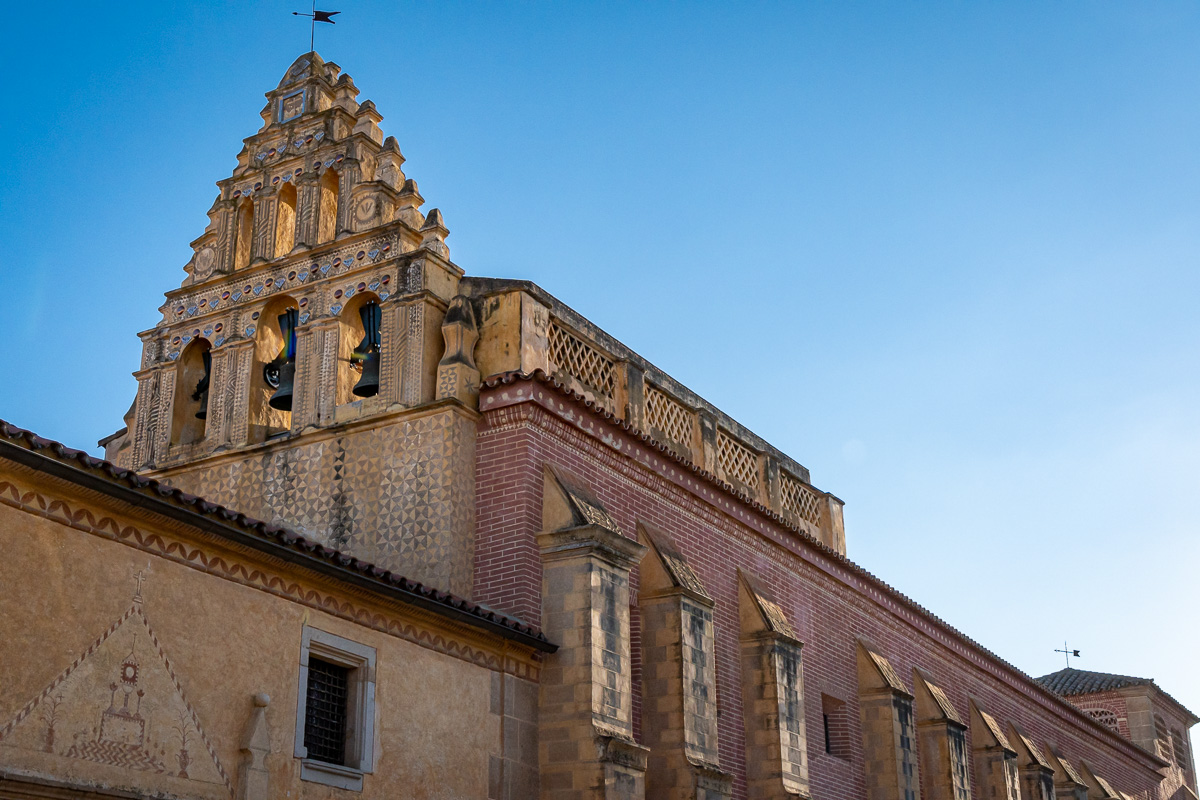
point(1067, 653)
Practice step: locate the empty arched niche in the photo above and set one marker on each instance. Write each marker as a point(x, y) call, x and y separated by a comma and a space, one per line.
point(271, 348)
point(190, 413)
point(243, 234)
point(285, 220)
point(328, 207)
point(356, 350)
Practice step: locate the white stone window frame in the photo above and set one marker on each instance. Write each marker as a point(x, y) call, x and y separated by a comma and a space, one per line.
point(360, 710)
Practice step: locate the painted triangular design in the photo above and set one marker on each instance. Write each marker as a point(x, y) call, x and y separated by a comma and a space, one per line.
point(118, 704)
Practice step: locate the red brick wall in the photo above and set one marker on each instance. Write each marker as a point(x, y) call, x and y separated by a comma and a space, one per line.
point(829, 602)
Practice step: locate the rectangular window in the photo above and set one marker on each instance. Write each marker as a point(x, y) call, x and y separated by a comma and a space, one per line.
point(335, 712)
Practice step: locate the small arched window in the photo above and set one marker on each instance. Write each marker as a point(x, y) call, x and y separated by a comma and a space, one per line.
point(359, 348)
point(327, 209)
point(285, 220)
point(274, 352)
point(192, 373)
point(243, 234)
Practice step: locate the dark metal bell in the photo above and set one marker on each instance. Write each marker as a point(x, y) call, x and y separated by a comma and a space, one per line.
point(280, 373)
point(282, 398)
point(201, 392)
point(367, 351)
point(368, 384)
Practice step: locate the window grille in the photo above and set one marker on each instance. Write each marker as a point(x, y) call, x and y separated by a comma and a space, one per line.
point(737, 461)
point(799, 501)
point(335, 710)
point(325, 711)
point(669, 418)
point(570, 354)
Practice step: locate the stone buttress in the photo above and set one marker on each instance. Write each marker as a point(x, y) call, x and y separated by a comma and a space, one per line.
point(888, 728)
point(942, 735)
point(679, 677)
point(585, 731)
point(772, 697)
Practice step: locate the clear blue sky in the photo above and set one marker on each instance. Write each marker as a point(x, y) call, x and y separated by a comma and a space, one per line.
point(945, 255)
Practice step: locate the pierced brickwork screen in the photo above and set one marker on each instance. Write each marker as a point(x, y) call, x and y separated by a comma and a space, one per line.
point(325, 711)
point(579, 359)
point(799, 501)
point(737, 461)
point(1103, 716)
point(670, 418)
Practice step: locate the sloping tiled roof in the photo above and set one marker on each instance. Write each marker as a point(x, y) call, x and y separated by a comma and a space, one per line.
point(77, 466)
point(1069, 682)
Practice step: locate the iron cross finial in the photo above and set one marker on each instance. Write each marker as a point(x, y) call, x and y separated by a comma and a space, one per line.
point(315, 17)
point(1067, 653)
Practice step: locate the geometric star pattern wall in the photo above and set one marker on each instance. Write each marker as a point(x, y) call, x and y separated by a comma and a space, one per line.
point(400, 495)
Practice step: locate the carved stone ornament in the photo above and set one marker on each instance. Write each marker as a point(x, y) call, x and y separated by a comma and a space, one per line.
point(203, 264)
point(365, 211)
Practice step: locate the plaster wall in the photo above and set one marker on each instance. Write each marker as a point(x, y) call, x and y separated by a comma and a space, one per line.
point(209, 627)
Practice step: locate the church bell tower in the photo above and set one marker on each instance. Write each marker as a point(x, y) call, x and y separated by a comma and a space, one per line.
point(295, 373)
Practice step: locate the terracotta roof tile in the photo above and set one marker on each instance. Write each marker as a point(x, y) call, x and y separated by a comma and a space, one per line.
point(1069, 682)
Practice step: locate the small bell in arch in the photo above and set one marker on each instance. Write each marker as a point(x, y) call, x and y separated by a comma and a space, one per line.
point(201, 392)
point(366, 354)
point(280, 372)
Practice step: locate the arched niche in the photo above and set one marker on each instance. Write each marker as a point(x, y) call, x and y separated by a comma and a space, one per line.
point(263, 420)
point(285, 220)
point(350, 336)
point(327, 208)
point(243, 234)
point(192, 371)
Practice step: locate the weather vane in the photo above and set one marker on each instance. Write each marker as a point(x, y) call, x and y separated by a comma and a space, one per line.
point(1067, 653)
point(316, 16)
